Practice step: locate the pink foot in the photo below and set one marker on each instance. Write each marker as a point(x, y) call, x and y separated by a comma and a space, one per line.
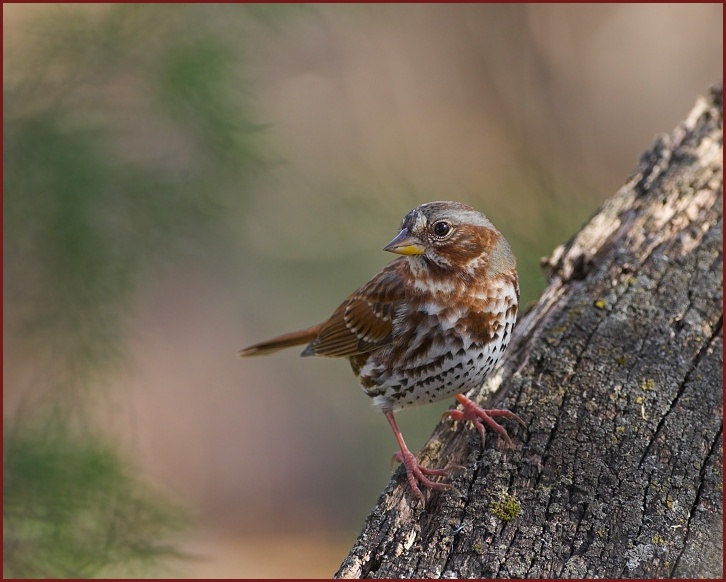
point(414, 471)
point(476, 414)
point(417, 473)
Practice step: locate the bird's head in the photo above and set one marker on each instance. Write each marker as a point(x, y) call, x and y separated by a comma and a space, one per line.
point(453, 236)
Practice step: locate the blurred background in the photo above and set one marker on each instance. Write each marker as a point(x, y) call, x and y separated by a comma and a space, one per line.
point(183, 180)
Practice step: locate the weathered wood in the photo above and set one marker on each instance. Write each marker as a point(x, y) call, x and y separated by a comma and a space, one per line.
point(618, 373)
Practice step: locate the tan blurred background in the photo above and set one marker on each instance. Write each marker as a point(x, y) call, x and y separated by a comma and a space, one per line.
point(534, 114)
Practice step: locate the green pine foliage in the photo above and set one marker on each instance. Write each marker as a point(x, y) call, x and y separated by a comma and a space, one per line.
point(123, 125)
point(73, 508)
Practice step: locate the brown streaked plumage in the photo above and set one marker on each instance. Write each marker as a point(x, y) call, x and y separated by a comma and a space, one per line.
point(431, 324)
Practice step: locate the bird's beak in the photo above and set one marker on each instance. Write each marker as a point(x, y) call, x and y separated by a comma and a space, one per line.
point(405, 244)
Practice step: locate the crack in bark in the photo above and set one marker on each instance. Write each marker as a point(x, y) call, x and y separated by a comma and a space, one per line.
point(717, 441)
point(682, 386)
point(463, 514)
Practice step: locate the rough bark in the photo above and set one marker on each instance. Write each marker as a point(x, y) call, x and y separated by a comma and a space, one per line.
point(617, 372)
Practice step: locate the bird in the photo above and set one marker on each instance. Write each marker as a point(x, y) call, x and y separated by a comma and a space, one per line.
point(431, 324)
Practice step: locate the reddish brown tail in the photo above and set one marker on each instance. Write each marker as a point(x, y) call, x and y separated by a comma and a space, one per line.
point(288, 340)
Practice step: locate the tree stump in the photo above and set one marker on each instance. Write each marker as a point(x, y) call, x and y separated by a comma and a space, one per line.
point(617, 372)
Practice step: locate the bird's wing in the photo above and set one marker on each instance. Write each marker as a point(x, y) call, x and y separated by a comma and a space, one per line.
point(364, 321)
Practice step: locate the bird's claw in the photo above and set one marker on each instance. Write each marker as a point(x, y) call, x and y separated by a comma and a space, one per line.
point(417, 473)
point(476, 414)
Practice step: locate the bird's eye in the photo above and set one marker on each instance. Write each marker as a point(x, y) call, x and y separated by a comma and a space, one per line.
point(441, 228)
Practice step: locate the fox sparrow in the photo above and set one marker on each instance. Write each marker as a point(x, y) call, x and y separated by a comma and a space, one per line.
point(430, 325)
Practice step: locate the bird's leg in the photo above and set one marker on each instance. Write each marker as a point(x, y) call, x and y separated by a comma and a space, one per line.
point(476, 414)
point(414, 471)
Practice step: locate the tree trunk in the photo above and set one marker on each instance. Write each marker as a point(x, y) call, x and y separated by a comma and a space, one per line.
point(617, 372)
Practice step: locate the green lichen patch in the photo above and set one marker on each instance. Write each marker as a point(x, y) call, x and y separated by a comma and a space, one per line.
point(647, 384)
point(506, 507)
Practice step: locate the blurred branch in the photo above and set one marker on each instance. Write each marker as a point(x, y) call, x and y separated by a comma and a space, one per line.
point(618, 372)
point(72, 508)
point(123, 124)
point(124, 127)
